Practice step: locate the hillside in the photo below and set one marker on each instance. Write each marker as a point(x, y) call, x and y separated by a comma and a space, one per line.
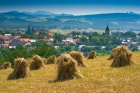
point(47, 20)
point(99, 77)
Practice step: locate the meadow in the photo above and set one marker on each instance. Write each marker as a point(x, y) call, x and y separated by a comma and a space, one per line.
point(98, 77)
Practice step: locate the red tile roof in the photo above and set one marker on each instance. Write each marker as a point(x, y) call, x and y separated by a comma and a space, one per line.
point(25, 39)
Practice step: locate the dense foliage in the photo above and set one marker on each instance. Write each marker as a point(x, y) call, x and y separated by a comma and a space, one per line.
point(41, 49)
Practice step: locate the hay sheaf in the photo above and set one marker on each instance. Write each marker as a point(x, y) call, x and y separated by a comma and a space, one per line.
point(21, 69)
point(44, 60)
point(92, 55)
point(113, 53)
point(122, 56)
point(6, 65)
point(78, 56)
point(36, 62)
point(67, 68)
point(51, 59)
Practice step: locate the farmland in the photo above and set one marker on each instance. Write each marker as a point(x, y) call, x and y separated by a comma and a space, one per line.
point(98, 77)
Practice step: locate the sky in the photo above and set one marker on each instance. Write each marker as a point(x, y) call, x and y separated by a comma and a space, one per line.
point(75, 7)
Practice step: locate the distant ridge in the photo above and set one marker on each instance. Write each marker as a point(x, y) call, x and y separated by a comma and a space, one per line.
point(48, 20)
point(43, 13)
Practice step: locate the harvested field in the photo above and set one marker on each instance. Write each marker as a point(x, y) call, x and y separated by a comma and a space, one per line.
point(98, 77)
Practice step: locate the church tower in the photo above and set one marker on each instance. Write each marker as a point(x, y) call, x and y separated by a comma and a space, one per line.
point(29, 30)
point(107, 31)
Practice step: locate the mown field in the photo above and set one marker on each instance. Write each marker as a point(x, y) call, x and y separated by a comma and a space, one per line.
point(99, 77)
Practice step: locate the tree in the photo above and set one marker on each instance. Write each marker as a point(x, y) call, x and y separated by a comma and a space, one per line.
point(8, 55)
point(68, 48)
point(42, 49)
point(95, 41)
point(59, 37)
point(83, 40)
point(138, 34)
point(2, 32)
point(57, 52)
point(2, 60)
point(20, 47)
point(62, 50)
point(85, 33)
point(129, 34)
point(74, 33)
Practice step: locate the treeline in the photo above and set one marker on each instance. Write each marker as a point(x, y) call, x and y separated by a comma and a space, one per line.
point(40, 48)
point(21, 51)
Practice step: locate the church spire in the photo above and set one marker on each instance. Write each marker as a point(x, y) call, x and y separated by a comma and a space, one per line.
point(107, 31)
point(107, 28)
point(29, 30)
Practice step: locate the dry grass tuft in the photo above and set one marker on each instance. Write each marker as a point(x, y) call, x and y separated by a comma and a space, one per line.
point(21, 69)
point(92, 55)
point(6, 65)
point(67, 68)
point(78, 56)
point(36, 62)
point(121, 56)
point(51, 60)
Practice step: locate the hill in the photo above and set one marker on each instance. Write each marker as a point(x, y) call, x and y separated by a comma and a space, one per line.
point(48, 20)
point(99, 77)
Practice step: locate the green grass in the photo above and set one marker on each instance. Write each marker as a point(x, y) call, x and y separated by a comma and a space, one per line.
point(99, 77)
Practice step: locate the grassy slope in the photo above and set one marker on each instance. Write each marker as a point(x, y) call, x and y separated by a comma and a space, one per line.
point(99, 77)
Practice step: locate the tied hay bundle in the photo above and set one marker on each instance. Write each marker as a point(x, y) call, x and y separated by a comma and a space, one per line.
point(21, 69)
point(63, 58)
point(6, 65)
point(44, 60)
point(122, 57)
point(67, 68)
point(92, 55)
point(36, 62)
point(78, 56)
point(51, 60)
point(113, 53)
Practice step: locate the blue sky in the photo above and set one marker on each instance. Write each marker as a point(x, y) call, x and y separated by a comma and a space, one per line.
point(76, 7)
